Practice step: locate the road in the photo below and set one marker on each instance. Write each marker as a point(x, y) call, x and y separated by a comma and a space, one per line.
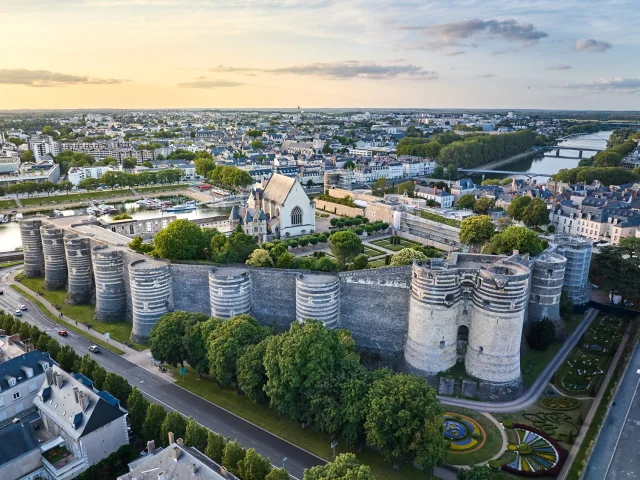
point(533, 393)
point(615, 454)
point(170, 395)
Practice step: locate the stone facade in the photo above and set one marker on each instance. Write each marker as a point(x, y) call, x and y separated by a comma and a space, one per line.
point(78, 252)
point(32, 247)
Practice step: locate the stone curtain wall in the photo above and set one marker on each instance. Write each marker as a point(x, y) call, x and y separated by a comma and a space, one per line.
point(191, 287)
point(375, 308)
point(338, 209)
point(273, 296)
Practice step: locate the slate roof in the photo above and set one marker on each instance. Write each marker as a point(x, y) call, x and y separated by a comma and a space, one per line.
point(278, 188)
point(182, 469)
point(17, 440)
point(13, 368)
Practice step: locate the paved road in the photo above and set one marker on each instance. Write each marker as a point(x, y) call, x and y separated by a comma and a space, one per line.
point(615, 454)
point(533, 392)
point(170, 395)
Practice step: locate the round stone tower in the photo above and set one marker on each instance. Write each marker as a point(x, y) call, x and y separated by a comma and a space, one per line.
point(433, 315)
point(318, 298)
point(229, 291)
point(151, 295)
point(111, 293)
point(497, 318)
point(32, 248)
point(546, 286)
point(78, 252)
point(55, 262)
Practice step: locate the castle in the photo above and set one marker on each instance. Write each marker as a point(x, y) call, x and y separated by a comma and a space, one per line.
point(471, 308)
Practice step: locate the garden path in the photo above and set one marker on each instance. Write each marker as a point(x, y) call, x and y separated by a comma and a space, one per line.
point(570, 396)
point(505, 440)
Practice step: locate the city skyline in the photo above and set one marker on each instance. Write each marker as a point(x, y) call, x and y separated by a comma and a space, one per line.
point(319, 54)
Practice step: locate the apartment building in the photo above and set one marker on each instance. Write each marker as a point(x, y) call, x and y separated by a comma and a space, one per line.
point(77, 174)
point(442, 197)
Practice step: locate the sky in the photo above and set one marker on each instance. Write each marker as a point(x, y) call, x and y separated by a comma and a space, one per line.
point(547, 54)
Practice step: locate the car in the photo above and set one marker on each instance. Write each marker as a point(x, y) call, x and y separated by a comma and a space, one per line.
point(1, 292)
point(62, 333)
point(18, 313)
point(22, 307)
point(94, 349)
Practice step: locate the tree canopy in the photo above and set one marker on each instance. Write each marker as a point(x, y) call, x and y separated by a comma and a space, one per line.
point(345, 246)
point(180, 240)
point(406, 256)
point(513, 238)
point(476, 230)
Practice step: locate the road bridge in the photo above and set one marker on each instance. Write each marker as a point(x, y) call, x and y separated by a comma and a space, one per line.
point(505, 172)
point(557, 148)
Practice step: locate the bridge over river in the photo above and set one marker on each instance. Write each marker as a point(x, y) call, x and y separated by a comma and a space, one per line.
point(504, 172)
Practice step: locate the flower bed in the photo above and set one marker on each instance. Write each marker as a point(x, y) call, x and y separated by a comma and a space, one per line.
point(464, 433)
point(536, 455)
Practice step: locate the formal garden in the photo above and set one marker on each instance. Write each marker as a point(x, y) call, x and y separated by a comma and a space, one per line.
point(473, 437)
point(396, 244)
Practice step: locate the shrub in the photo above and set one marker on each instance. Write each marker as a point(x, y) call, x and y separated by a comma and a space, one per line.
point(507, 424)
point(494, 464)
point(542, 334)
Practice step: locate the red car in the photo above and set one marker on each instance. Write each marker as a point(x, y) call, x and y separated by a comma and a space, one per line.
point(62, 333)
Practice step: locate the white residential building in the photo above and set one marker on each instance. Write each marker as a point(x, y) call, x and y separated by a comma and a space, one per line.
point(77, 174)
point(444, 198)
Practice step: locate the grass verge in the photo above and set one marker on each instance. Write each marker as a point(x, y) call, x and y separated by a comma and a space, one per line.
point(76, 197)
point(8, 204)
point(119, 331)
point(11, 264)
point(67, 325)
point(306, 438)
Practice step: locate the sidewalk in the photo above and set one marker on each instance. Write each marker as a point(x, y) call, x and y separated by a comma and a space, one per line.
point(142, 359)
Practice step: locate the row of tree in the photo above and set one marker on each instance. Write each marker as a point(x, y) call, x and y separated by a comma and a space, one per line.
point(606, 176)
point(612, 156)
point(481, 206)
point(313, 376)
point(222, 175)
point(30, 188)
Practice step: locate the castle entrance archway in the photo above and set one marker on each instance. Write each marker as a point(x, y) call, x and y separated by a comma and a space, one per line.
point(462, 341)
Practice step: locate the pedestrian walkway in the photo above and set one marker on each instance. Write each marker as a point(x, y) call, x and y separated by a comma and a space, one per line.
point(19, 202)
point(142, 359)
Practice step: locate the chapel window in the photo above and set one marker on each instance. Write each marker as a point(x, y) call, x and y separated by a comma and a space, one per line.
point(296, 216)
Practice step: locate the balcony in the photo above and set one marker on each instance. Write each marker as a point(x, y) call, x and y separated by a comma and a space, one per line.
point(61, 464)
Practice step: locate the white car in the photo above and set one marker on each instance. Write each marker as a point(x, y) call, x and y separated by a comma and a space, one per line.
point(94, 349)
point(18, 313)
point(22, 307)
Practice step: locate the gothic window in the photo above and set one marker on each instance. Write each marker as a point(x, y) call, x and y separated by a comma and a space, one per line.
point(296, 216)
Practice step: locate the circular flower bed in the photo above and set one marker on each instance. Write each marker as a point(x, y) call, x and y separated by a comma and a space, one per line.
point(464, 433)
point(595, 348)
point(550, 392)
point(535, 454)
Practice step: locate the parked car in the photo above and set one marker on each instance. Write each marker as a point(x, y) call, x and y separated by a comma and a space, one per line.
point(22, 307)
point(62, 333)
point(1, 292)
point(94, 349)
point(18, 313)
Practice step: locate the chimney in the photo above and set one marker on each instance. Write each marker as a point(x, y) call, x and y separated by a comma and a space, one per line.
point(161, 476)
point(49, 375)
point(180, 442)
point(84, 401)
point(151, 446)
point(194, 468)
point(176, 453)
point(76, 394)
point(171, 438)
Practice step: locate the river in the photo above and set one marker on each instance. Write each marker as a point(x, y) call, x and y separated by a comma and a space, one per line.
point(10, 232)
point(549, 163)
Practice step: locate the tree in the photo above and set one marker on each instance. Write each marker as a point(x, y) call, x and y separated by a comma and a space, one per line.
point(277, 474)
point(566, 305)
point(129, 163)
point(255, 466)
point(137, 406)
point(607, 159)
point(195, 435)
point(257, 145)
point(536, 214)
point(466, 202)
point(483, 205)
point(28, 157)
point(360, 262)
point(233, 458)
point(345, 246)
point(404, 420)
point(344, 467)
point(228, 342)
point(180, 240)
point(195, 343)
point(252, 376)
point(117, 386)
point(235, 249)
point(406, 187)
point(204, 166)
point(99, 375)
point(25, 334)
point(215, 446)
point(518, 207)
point(517, 238)
point(350, 165)
point(152, 425)
point(42, 344)
point(53, 347)
point(406, 256)
point(475, 231)
point(66, 357)
point(474, 473)
point(542, 334)
point(166, 340)
point(260, 258)
point(175, 423)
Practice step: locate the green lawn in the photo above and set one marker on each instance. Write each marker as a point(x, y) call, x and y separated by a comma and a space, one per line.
point(68, 326)
point(376, 263)
point(533, 362)
point(120, 331)
point(491, 447)
point(76, 197)
point(372, 252)
point(8, 204)
point(161, 188)
point(10, 264)
point(385, 243)
point(306, 438)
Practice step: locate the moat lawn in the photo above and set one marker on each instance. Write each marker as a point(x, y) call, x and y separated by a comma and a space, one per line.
point(306, 438)
point(120, 331)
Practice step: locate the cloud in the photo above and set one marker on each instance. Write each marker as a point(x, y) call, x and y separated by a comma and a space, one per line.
point(591, 45)
point(615, 84)
point(343, 70)
point(486, 75)
point(45, 78)
point(559, 67)
point(454, 53)
point(215, 83)
point(451, 34)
